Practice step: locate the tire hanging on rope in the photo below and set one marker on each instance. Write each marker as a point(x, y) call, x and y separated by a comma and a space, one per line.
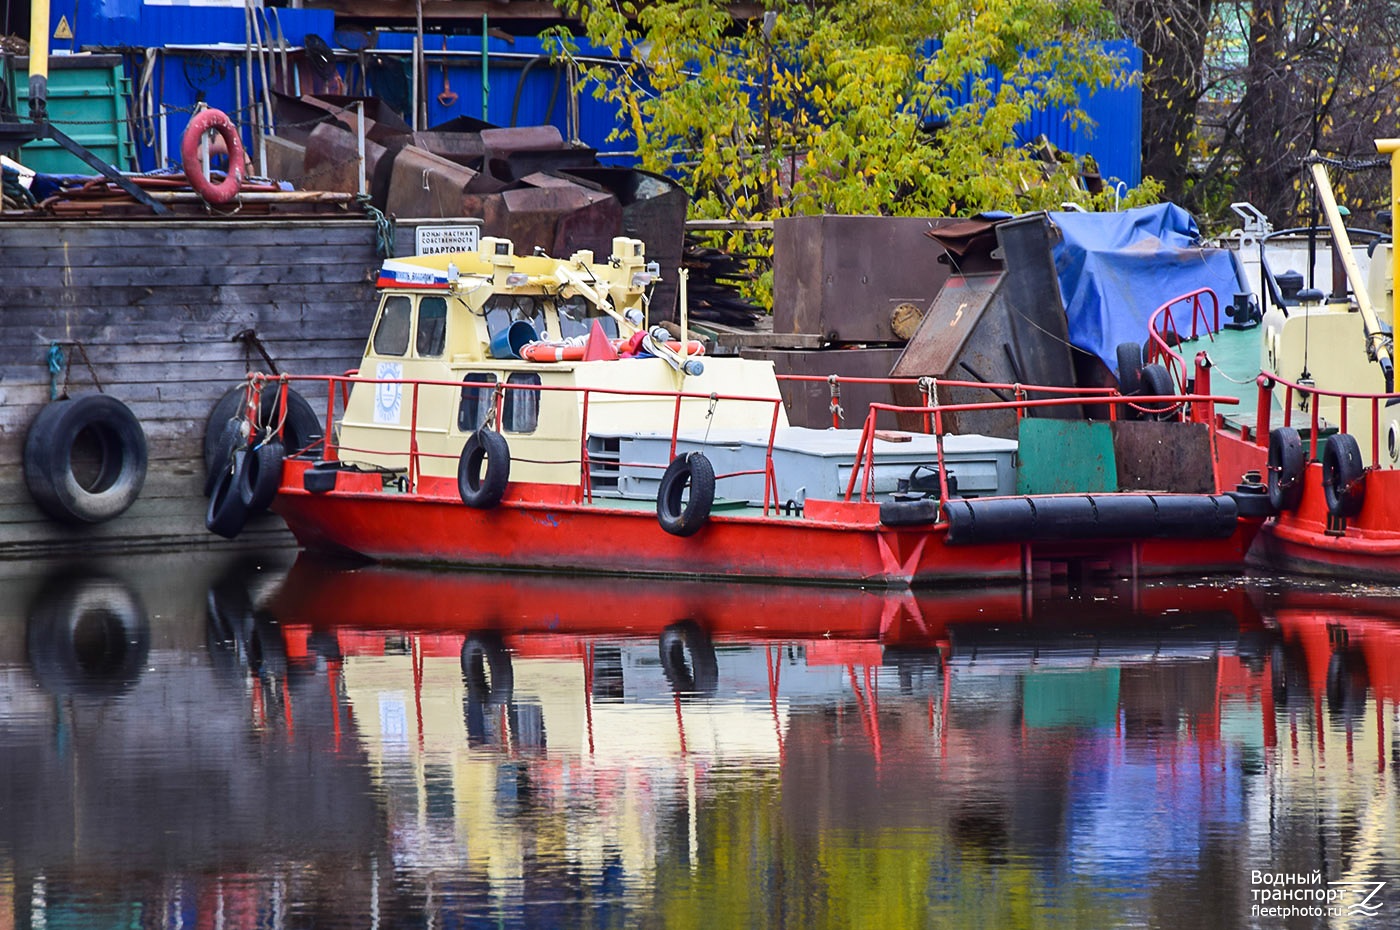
point(1285, 466)
point(483, 470)
point(1343, 476)
point(85, 459)
point(685, 518)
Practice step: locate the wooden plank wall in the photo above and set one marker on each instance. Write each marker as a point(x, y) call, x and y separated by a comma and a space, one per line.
point(155, 306)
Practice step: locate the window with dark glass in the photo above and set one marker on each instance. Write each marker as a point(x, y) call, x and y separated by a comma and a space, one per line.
point(391, 335)
point(432, 327)
point(521, 413)
point(504, 309)
point(576, 316)
point(474, 410)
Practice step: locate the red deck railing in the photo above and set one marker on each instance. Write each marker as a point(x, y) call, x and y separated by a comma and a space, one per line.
point(931, 414)
point(1163, 333)
point(1292, 390)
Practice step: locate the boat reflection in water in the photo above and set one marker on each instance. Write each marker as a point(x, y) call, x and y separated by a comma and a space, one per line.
point(379, 746)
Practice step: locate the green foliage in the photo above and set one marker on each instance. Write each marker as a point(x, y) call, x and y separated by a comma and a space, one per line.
point(827, 109)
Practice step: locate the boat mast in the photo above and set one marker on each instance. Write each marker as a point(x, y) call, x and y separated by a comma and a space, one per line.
point(1341, 242)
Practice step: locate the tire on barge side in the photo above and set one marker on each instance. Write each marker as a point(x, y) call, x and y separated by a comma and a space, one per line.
point(111, 452)
point(302, 428)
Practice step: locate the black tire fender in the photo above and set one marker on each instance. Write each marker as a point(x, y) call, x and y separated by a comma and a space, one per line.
point(302, 428)
point(229, 438)
point(1285, 467)
point(483, 489)
point(692, 470)
point(96, 426)
point(226, 514)
point(1129, 367)
point(688, 658)
point(1343, 476)
point(909, 513)
point(260, 476)
point(320, 478)
point(1156, 381)
point(1251, 503)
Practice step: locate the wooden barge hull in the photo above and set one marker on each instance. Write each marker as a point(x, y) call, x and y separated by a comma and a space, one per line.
point(166, 316)
point(550, 528)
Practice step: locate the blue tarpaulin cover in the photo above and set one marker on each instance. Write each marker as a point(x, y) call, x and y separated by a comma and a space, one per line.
point(1115, 269)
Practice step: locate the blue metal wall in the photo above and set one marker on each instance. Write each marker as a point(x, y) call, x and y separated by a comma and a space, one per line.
point(523, 87)
point(1116, 139)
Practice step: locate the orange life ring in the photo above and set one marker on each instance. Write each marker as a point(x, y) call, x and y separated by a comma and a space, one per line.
point(203, 122)
point(552, 352)
point(558, 352)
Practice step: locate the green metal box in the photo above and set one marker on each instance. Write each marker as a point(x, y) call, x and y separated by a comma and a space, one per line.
point(87, 101)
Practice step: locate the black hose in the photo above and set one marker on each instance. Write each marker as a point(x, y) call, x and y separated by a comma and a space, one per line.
point(520, 87)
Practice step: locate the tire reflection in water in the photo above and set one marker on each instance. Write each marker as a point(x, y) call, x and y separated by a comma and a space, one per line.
point(688, 659)
point(87, 634)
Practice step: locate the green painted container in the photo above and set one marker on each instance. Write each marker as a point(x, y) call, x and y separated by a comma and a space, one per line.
point(1065, 457)
point(87, 102)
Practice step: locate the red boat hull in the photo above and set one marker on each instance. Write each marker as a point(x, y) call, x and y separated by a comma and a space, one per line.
point(549, 528)
point(1309, 540)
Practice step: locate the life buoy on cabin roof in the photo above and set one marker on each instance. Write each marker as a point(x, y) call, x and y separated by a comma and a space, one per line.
point(218, 121)
point(575, 352)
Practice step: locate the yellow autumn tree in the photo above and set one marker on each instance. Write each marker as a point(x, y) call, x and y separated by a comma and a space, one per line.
point(850, 106)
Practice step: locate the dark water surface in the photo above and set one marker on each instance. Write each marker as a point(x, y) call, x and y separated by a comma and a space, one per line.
point(201, 741)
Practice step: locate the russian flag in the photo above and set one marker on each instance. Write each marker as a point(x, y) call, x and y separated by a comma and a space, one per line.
point(405, 274)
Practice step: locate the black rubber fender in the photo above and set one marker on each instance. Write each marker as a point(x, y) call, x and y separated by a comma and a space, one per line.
point(229, 438)
point(685, 518)
point(486, 668)
point(302, 428)
point(688, 658)
point(1156, 381)
point(909, 513)
point(1129, 357)
point(1251, 502)
point(320, 478)
point(483, 489)
point(226, 513)
point(260, 476)
point(1285, 468)
point(1054, 518)
point(111, 454)
point(87, 635)
point(1343, 476)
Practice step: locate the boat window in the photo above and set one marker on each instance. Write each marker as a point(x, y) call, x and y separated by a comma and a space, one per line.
point(475, 406)
point(576, 316)
point(504, 309)
point(432, 326)
point(522, 408)
point(391, 335)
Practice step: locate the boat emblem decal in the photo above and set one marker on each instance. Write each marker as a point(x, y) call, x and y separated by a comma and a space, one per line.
point(388, 398)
